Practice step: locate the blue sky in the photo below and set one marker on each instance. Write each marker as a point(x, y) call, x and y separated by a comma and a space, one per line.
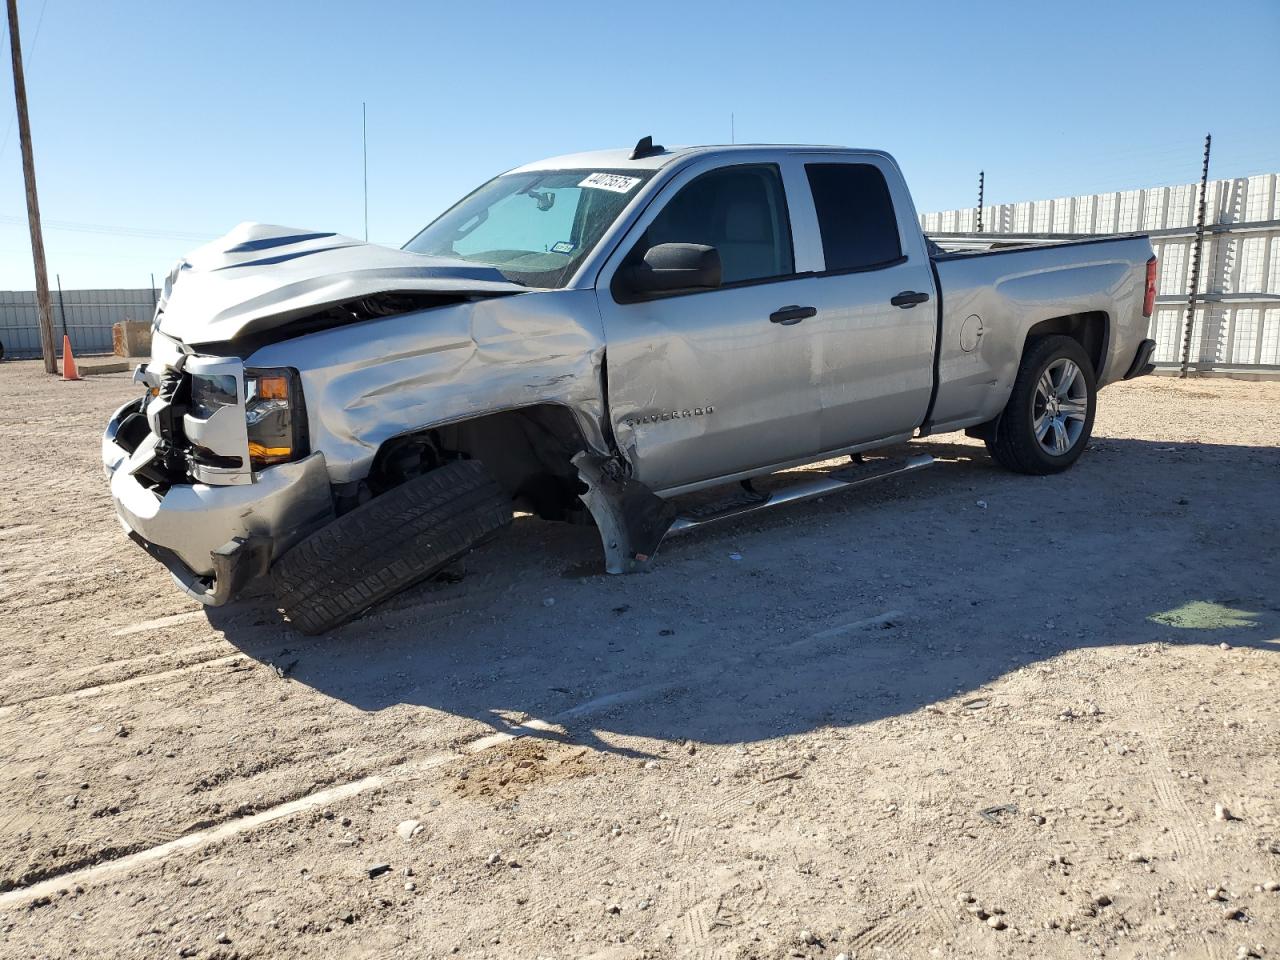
point(165, 123)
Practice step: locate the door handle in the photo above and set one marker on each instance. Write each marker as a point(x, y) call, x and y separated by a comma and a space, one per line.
point(789, 315)
point(908, 299)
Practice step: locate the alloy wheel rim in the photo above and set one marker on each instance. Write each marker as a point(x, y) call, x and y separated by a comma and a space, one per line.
point(1060, 407)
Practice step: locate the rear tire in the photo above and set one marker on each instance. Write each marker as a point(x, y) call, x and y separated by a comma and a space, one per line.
point(1048, 420)
point(390, 543)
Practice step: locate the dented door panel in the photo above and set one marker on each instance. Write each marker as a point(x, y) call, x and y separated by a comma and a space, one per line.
point(705, 385)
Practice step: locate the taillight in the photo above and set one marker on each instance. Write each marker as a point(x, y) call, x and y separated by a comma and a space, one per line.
point(1149, 300)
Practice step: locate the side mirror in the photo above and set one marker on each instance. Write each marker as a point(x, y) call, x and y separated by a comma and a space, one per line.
point(671, 267)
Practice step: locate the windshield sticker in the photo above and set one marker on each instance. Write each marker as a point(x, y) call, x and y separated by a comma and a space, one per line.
point(611, 181)
point(563, 246)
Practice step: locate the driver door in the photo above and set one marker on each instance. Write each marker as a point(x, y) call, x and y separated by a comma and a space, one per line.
point(721, 382)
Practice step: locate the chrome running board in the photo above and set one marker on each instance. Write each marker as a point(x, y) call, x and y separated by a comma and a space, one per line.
point(837, 480)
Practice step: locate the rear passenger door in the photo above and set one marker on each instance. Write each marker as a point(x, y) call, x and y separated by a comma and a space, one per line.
point(875, 297)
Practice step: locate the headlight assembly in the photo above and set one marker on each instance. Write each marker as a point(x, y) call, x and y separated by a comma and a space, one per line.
point(210, 392)
point(275, 416)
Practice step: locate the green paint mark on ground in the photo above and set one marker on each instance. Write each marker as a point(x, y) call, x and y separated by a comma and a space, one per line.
point(1203, 615)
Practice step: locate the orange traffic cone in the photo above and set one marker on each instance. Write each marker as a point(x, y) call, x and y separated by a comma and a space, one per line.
point(69, 371)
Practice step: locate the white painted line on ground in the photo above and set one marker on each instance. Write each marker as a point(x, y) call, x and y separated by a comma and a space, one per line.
point(100, 872)
point(224, 831)
point(101, 688)
point(845, 629)
point(321, 798)
point(159, 623)
point(122, 664)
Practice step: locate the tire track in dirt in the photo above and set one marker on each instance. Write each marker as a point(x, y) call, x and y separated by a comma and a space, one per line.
point(699, 915)
point(681, 840)
point(892, 931)
point(925, 885)
point(933, 888)
point(595, 869)
point(1190, 838)
point(1191, 842)
point(693, 928)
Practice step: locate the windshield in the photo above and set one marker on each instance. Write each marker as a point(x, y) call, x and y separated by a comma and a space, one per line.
point(535, 228)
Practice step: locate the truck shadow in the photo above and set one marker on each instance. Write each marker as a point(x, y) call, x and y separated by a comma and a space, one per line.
point(750, 630)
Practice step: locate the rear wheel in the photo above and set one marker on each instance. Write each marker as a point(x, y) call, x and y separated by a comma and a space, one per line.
point(1049, 417)
point(390, 543)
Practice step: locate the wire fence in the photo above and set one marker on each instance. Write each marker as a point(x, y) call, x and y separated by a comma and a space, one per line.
point(1236, 321)
point(86, 316)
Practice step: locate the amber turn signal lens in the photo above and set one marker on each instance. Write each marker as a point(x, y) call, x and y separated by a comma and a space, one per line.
point(273, 388)
point(273, 416)
point(261, 455)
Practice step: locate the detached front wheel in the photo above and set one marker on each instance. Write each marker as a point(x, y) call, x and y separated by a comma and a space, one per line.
point(390, 543)
point(1049, 417)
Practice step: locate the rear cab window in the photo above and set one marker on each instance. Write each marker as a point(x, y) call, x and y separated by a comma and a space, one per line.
point(856, 220)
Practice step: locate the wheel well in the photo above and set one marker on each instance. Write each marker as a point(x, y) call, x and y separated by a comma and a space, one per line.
point(1087, 329)
point(527, 451)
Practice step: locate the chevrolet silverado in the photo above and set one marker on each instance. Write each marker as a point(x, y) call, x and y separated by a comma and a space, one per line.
point(590, 337)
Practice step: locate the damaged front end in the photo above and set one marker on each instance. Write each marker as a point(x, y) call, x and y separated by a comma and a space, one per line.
point(212, 470)
point(187, 460)
point(295, 376)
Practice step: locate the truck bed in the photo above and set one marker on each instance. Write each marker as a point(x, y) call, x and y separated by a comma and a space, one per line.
point(994, 292)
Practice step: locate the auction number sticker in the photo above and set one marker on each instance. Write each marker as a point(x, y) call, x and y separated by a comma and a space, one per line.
point(611, 181)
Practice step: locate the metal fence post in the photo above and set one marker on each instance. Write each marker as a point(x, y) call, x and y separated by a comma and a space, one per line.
point(981, 178)
point(62, 306)
point(1196, 248)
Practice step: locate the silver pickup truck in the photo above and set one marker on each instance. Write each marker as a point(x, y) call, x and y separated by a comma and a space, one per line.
point(589, 337)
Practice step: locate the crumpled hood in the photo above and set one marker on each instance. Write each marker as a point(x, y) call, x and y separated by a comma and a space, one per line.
point(260, 276)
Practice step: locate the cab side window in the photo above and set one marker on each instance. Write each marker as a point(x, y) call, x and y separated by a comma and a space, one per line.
point(741, 211)
point(855, 215)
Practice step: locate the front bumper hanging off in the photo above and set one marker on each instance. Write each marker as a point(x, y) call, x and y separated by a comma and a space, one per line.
point(235, 563)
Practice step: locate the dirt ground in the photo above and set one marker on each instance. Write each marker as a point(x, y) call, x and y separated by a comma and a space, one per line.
point(961, 714)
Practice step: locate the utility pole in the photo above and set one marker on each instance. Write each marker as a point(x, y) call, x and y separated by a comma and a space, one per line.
point(43, 306)
point(981, 183)
point(1190, 322)
point(733, 133)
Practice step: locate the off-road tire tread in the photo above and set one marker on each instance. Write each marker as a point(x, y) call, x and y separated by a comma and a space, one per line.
point(1014, 446)
point(388, 544)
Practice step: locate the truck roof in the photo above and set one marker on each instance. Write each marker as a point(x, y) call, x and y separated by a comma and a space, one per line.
point(620, 159)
